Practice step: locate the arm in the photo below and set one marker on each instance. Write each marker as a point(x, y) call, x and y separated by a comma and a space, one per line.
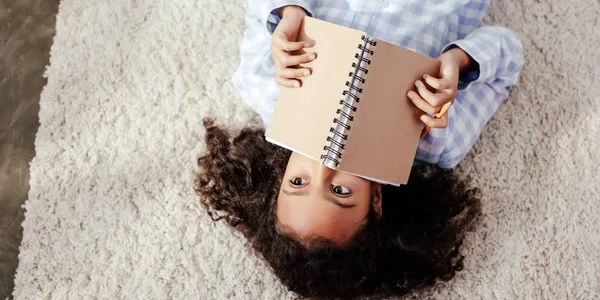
point(269, 11)
point(499, 55)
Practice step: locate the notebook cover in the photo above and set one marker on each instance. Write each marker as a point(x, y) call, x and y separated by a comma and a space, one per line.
point(383, 140)
point(303, 116)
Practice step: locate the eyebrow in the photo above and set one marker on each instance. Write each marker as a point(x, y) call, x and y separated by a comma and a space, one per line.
point(328, 198)
point(289, 193)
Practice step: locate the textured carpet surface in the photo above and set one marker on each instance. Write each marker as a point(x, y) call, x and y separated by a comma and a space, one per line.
point(112, 212)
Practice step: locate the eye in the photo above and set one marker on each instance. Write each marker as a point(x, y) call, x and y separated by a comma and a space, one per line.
point(298, 181)
point(340, 190)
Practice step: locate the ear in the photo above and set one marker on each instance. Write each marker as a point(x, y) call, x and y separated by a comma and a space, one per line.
point(377, 198)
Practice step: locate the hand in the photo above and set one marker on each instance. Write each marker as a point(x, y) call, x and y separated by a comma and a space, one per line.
point(283, 43)
point(452, 62)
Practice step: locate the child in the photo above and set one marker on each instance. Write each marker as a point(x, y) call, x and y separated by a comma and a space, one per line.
point(330, 234)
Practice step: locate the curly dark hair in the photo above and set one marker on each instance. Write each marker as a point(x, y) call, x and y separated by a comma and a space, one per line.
point(414, 243)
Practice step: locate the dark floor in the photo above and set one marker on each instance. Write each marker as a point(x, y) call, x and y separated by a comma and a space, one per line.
point(26, 31)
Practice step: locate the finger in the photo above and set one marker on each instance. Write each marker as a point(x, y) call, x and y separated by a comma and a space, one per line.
point(294, 73)
point(291, 83)
point(431, 98)
point(278, 57)
point(422, 104)
point(435, 123)
point(280, 42)
point(436, 83)
point(309, 43)
point(294, 60)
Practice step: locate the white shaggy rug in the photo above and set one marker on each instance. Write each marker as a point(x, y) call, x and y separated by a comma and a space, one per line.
point(112, 212)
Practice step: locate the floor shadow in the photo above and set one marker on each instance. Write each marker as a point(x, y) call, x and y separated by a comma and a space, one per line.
point(26, 31)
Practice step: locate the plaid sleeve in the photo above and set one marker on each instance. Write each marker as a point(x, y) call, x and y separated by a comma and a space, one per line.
point(500, 57)
point(497, 51)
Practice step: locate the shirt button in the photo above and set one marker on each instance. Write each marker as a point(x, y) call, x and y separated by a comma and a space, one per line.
point(385, 3)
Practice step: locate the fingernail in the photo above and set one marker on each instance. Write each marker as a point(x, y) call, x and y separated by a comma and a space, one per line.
point(296, 84)
point(411, 94)
point(424, 119)
point(306, 73)
point(417, 83)
point(311, 57)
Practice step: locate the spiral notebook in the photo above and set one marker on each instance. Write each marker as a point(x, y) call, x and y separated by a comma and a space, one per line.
point(352, 112)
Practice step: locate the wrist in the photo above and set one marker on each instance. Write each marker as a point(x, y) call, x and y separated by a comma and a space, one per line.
point(291, 10)
point(464, 60)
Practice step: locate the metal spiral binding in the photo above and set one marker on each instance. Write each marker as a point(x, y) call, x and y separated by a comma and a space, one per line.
point(365, 49)
point(327, 157)
point(344, 114)
point(354, 65)
point(342, 146)
point(349, 106)
point(368, 40)
point(343, 124)
point(337, 153)
point(353, 75)
point(368, 61)
point(354, 97)
point(353, 87)
point(336, 144)
point(337, 133)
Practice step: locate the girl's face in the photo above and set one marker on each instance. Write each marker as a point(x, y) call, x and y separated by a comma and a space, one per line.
point(316, 201)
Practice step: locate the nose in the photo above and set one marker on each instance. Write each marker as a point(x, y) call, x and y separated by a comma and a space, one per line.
point(324, 174)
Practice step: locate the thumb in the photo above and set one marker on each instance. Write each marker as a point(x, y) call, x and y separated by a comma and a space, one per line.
point(288, 27)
